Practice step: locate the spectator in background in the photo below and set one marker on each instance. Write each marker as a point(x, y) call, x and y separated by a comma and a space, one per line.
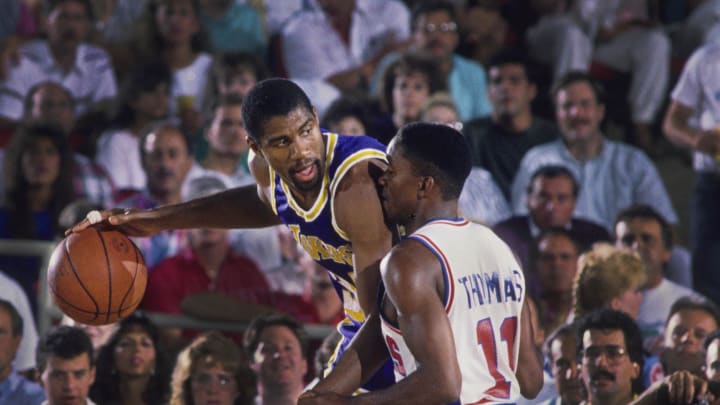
point(143, 99)
point(483, 30)
point(551, 196)
point(692, 122)
point(561, 354)
point(499, 142)
point(711, 347)
point(132, 367)
point(690, 321)
point(435, 32)
point(614, 175)
point(334, 45)
point(14, 389)
point(98, 334)
point(66, 58)
point(276, 346)
point(233, 27)
point(348, 115)
point(66, 366)
point(212, 370)
point(12, 293)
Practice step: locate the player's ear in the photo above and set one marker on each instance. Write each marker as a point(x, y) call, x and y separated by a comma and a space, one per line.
point(426, 184)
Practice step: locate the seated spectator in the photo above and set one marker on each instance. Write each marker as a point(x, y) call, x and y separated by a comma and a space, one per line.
point(645, 231)
point(483, 30)
point(15, 86)
point(66, 58)
point(499, 142)
point(131, 367)
point(233, 27)
point(24, 358)
point(66, 365)
point(691, 319)
point(98, 334)
point(711, 347)
point(273, 341)
point(561, 354)
point(14, 389)
point(165, 156)
point(551, 197)
point(348, 115)
point(143, 99)
point(613, 175)
point(212, 370)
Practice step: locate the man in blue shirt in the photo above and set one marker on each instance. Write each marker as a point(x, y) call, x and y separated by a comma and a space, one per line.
point(14, 389)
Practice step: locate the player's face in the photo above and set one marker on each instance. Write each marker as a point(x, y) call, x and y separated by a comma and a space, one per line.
point(53, 104)
point(227, 135)
point(68, 23)
point(607, 370)
point(135, 354)
point(565, 369)
point(687, 329)
point(213, 385)
point(551, 201)
point(556, 264)
point(166, 161)
point(176, 21)
point(8, 343)
point(348, 126)
point(399, 187)
point(509, 90)
point(578, 113)
point(278, 360)
point(67, 381)
point(294, 147)
point(152, 104)
point(409, 94)
point(41, 163)
point(712, 361)
point(644, 235)
point(436, 33)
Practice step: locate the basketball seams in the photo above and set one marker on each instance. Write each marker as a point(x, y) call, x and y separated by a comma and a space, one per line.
point(110, 277)
point(132, 284)
point(79, 280)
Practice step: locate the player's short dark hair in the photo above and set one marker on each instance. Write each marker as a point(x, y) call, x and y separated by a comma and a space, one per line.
point(644, 211)
point(610, 319)
point(66, 342)
point(259, 324)
point(696, 303)
point(438, 151)
point(574, 77)
point(426, 7)
point(511, 56)
point(16, 321)
point(714, 335)
point(271, 98)
point(552, 172)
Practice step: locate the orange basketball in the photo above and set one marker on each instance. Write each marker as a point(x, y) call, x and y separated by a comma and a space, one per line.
point(96, 276)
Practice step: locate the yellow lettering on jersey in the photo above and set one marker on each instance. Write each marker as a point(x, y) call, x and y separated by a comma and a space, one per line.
point(319, 250)
point(350, 300)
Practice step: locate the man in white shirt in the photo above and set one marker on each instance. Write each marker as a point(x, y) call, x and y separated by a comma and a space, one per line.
point(66, 365)
point(11, 291)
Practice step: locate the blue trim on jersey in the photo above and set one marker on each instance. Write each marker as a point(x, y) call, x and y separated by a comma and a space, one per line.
point(439, 256)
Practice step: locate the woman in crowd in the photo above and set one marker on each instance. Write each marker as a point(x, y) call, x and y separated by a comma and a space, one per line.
point(131, 367)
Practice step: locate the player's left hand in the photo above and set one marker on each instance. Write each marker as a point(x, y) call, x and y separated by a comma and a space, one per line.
point(323, 398)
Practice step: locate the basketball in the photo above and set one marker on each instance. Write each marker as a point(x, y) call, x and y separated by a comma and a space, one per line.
point(97, 277)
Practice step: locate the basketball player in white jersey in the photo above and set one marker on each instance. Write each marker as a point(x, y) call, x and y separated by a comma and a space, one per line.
point(452, 315)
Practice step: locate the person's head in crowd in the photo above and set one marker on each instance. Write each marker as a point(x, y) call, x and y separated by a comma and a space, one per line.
point(277, 348)
point(11, 331)
point(407, 83)
point(68, 23)
point(206, 240)
point(561, 353)
point(552, 193)
point(211, 370)
point(236, 73)
point(99, 334)
point(645, 231)
point(132, 358)
point(441, 109)
point(38, 169)
point(435, 29)
point(556, 262)
point(322, 292)
point(610, 346)
point(166, 159)
point(711, 346)
point(226, 133)
point(52, 103)
point(579, 108)
point(347, 115)
point(690, 321)
point(609, 278)
point(143, 97)
point(66, 365)
point(510, 88)
point(324, 353)
point(169, 24)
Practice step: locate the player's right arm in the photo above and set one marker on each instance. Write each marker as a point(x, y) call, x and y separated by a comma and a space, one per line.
point(529, 370)
point(242, 207)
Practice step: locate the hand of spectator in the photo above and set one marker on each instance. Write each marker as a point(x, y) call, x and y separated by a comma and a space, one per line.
point(9, 55)
point(709, 142)
point(322, 398)
point(686, 388)
point(132, 222)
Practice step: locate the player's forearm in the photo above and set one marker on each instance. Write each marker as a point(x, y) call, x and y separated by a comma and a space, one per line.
point(424, 386)
point(529, 369)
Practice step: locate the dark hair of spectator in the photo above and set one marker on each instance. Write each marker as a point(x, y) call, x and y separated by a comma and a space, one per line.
point(50, 5)
point(344, 107)
point(511, 56)
point(642, 211)
point(228, 65)
point(272, 98)
point(553, 231)
point(107, 381)
point(21, 222)
point(407, 64)
point(568, 329)
point(259, 324)
point(65, 342)
point(229, 100)
point(438, 151)
point(143, 78)
point(29, 100)
point(693, 303)
point(423, 8)
point(573, 77)
point(159, 126)
point(553, 172)
point(16, 321)
point(149, 40)
point(714, 335)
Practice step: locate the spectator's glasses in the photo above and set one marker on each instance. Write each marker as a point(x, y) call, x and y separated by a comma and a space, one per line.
point(442, 27)
point(613, 353)
point(205, 379)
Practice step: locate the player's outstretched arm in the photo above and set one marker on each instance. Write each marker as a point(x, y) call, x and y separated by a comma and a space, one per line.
point(529, 370)
point(359, 213)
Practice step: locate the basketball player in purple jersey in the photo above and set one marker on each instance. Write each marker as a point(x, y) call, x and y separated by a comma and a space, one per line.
point(453, 316)
point(319, 184)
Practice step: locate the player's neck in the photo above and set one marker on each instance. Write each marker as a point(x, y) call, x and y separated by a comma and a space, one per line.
point(430, 211)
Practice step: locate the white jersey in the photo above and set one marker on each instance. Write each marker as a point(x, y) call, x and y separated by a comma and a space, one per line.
point(484, 293)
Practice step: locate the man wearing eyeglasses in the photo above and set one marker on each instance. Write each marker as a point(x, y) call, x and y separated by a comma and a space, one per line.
point(611, 357)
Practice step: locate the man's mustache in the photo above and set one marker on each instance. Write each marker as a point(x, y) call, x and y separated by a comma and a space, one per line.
point(604, 374)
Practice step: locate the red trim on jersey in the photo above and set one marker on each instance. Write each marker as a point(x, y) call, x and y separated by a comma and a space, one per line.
point(390, 326)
